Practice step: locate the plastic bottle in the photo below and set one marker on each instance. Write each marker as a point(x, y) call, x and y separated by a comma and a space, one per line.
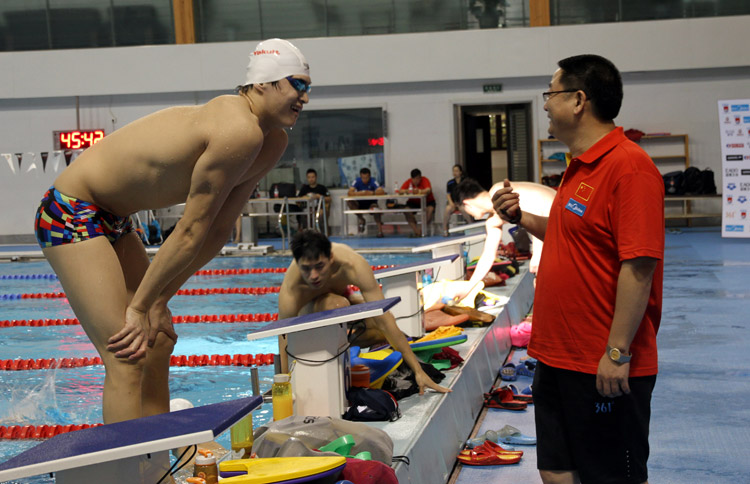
point(361, 376)
point(276, 191)
point(395, 188)
point(242, 437)
point(281, 393)
point(205, 467)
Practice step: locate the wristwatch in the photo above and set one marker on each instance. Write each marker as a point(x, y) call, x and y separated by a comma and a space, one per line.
point(617, 355)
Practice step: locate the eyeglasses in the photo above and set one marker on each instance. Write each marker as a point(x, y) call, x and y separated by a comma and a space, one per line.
point(299, 85)
point(548, 94)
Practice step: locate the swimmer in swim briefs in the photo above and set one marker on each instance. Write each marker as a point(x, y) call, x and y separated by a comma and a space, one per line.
point(209, 157)
point(319, 278)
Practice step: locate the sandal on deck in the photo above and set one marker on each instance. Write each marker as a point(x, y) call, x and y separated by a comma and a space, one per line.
point(508, 372)
point(503, 398)
point(484, 456)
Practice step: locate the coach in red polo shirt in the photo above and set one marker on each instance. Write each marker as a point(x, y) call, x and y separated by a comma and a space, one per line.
point(599, 288)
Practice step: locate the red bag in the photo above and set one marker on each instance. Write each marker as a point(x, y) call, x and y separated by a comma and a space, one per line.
point(368, 472)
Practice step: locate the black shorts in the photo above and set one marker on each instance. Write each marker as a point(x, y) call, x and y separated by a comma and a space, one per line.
point(366, 204)
point(417, 204)
point(604, 439)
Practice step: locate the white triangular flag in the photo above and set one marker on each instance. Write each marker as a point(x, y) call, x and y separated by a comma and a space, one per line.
point(9, 158)
point(57, 157)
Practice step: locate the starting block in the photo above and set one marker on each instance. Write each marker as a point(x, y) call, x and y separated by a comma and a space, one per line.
point(319, 343)
point(133, 451)
point(447, 247)
point(403, 281)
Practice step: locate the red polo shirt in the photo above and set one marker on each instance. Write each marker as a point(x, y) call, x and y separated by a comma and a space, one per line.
point(424, 184)
point(609, 208)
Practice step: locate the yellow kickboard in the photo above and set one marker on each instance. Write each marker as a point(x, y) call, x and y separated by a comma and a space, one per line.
point(278, 469)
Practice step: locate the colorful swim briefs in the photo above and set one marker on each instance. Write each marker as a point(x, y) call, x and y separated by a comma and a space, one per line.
point(64, 220)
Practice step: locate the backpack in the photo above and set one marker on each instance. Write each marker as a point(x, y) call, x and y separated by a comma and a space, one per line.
point(692, 181)
point(709, 185)
point(371, 404)
point(673, 183)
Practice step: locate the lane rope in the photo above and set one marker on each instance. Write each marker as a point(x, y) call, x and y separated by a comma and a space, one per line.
point(195, 318)
point(20, 364)
point(206, 272)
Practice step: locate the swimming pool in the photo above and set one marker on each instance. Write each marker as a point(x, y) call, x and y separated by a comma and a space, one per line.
point(73, 395)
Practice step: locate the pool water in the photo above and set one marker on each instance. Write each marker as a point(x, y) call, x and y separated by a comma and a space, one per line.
point(73, 395)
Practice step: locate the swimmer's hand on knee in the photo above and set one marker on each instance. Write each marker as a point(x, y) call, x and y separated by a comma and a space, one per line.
point(130, 342)
point(160, 321)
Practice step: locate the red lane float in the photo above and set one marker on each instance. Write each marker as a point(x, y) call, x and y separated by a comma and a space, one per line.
point(200, 318)
point(260, 359)
point(17, 432)
point(266, 270)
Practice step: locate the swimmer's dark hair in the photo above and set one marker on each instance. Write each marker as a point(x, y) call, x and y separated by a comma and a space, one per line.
point(467, 189)
point(310, 244)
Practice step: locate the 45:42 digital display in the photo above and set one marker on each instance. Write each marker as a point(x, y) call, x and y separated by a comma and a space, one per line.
point(76, 139)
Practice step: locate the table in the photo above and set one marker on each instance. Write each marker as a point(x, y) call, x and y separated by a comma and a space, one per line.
point(345, 210)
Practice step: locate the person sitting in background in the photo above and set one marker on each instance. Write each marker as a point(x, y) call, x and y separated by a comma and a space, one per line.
point(365, 185)
point(419, 185)
point(317, 192)
point(452, 206)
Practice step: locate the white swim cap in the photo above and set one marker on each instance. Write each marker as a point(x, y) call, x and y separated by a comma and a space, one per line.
point(273, 60)
point(179, 404)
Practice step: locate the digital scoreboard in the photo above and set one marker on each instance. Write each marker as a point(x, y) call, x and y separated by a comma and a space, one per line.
point(76, 139)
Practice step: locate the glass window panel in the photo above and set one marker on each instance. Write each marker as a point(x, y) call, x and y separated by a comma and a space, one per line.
point(26, 24)
point(78, 24)
point(293, 18)
point(320, 140)
point(140, 22)
point(227, 20)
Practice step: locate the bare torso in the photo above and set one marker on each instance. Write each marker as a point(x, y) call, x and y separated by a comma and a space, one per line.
point(296, 294)
point(149, 163)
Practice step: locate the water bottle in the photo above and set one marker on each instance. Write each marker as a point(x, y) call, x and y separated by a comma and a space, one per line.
point(205, 467)
point(242, 437)
point(281, 393)
point(395, 188)
point(276, 191)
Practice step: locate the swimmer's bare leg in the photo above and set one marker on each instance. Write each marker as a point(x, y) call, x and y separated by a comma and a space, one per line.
point(98, 296)
point(155, 382)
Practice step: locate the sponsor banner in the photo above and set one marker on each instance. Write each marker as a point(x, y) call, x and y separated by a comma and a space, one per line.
point(734, 129)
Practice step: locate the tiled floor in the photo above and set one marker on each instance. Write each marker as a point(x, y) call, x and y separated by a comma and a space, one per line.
point(700, 427)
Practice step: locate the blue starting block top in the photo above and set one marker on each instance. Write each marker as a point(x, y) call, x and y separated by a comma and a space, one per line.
point(324, 318)
point(129, 438)
point(414, 267)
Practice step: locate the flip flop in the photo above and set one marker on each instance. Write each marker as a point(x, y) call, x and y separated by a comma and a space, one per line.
point(511, 435)
point(520, 396)
point(503, 398)
point(508, 372)
point(525, 369)
point(490, 445)
point(482, 456)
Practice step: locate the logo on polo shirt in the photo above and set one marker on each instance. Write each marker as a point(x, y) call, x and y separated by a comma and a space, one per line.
point(576, 207)
point(584, 192)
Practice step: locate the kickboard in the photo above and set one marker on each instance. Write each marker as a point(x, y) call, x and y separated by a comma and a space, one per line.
point(380, 362)
point(281, 469)
point(438, 343)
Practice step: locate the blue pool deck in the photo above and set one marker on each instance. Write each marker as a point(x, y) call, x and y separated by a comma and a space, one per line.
point(700, 428)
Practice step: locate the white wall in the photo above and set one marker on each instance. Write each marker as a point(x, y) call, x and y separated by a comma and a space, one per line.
point(674, 73)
